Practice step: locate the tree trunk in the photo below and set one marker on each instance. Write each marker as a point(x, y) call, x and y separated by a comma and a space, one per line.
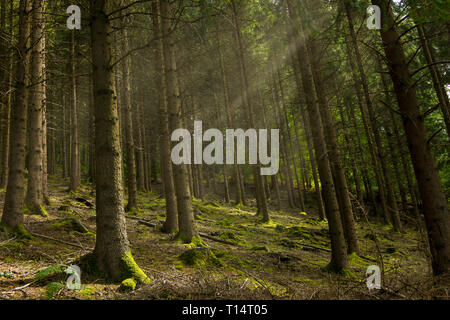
point(128, 113)
point(34, 198)
point(336, 165)
point(435, 206)
point(15, 191)
point(112, 253)
point(6, 110)
point(441, 92)
point(261, 199)
point(171, 223)
point(75, 174)
point(339, 259)
point(186, 224)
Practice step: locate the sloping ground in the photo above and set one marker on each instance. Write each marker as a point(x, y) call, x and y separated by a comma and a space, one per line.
point(240, 258)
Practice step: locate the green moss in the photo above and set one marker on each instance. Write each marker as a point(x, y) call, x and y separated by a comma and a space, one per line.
point(308, 281)
point(135, 211)
point(229, 236)
point(332, 268)
point(57, 269)
point(195, 241)
point(289, 243)
point(178, 265)
point(357, 261)
point(70, 224)
point(269, 224)
point(260, 248)
point(20, 232)
point(52, 288)
point(131, 270)
point(128, 284)
point(37, 210)
point(199, 257)
point(86, 292)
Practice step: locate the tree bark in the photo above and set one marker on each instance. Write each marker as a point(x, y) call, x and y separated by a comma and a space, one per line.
point(15, 190)
point(435, 206)
point(339, 259)
point(112, 253)
point(75, 174)
point(128, 113)
point(171, 223)
point(35, 199)
point(186, 224)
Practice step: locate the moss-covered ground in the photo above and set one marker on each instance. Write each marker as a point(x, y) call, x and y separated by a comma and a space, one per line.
point(282, 259)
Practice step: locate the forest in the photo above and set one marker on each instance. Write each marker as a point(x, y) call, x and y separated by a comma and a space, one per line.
point(224, 150)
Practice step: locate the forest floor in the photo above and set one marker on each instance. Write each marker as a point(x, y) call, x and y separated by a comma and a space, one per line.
point(242, 258)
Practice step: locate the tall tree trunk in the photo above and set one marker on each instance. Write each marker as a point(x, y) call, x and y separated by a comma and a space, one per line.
point(5, 113)
point(339, 259)
point(364, 101)
point(259, 186)
point(139, 149)
point(127, 109)
point(336, 166)
point(435, 206)
point(34, 199)
point(15, 191)
point(239, 194)
point(171, 223)
point(186, 224)
point(441, 92)
point(349, 146)
point(75, 174)
point(308, 134)
point(112, 253)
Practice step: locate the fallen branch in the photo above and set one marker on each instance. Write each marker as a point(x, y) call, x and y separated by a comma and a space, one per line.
point(60, 241)
point(217, 239)
point(141, 221)
point(313, 247)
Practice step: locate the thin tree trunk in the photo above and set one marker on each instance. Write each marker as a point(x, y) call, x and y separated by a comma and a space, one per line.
point(171, 223)
point(441, 92)
point(337, 169)
point(75, 174)
point(259, 186)
point(34, 199)
point(128, 113)
point(339, 259)
point(186, 225)
point(6, 110)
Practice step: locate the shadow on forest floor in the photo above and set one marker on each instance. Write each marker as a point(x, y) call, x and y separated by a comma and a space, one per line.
point(243, 258)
